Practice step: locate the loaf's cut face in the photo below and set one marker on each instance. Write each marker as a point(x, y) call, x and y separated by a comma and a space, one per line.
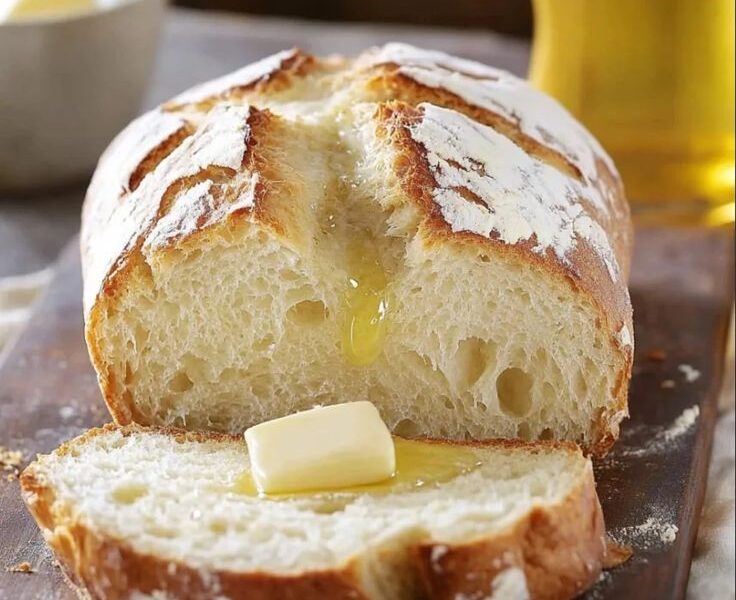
point(157, 512)
point(410, 228)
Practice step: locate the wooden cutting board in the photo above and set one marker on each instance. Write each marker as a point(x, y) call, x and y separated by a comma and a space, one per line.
point(651, 486)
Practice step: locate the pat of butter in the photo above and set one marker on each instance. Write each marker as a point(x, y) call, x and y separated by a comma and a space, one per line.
point(323, 448)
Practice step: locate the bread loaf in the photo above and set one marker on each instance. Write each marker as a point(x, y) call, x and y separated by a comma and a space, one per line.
point(421, 231)
point(134, 513)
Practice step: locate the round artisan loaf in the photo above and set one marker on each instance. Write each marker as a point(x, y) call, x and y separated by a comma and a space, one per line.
point(421, 231)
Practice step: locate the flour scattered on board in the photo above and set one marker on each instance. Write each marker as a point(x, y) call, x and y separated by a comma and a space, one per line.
point(682, 424)
point(653, 534)
point(691, 373)
point(662, 439)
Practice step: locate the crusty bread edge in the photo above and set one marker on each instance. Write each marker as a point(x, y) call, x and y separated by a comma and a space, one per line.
point(561, 548)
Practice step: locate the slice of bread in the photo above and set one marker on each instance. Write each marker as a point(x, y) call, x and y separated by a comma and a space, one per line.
point(218, 233)
point(148, 513)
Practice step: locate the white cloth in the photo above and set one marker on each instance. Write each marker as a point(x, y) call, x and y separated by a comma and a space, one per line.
point(17, 295)
point(712, 571)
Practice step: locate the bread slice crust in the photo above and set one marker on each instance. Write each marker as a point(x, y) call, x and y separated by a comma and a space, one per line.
point(559, 548)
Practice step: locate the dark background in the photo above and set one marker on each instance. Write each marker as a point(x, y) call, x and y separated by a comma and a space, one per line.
point(512, 17)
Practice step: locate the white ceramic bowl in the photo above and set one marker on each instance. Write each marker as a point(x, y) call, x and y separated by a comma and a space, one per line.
point(67, 86)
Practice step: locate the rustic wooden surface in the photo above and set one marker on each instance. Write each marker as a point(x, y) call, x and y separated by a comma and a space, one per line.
point(682, 292)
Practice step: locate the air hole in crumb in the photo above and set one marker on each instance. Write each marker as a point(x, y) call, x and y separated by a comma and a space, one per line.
point(514, 389)
point(129, 375)
point(581, 384)
point(448, 403)
point(471, 359)
point(523, 297)
point(140, 335)
point(218, 526)
point(330, 507)
point(523, 431)
point(377, 395)
point(261, 385)
point(129, 493)
point(546, 434)
point(265, 343)
point(538, 488)
point(180, 382)
point(162, 532)
point(485, 258)
point(407, 428)
point(307, 312)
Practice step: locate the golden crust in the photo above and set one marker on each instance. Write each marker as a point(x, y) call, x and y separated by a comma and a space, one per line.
point(560, 549)
point(294, 65)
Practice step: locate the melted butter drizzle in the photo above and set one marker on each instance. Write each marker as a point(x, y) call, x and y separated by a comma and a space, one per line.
point(419, 464)
point(365, 301)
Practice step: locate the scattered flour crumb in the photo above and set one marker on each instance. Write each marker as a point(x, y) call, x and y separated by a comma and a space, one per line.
point(662, 439)
point(66, 412)
point(691, 373)
point(682, 423)
point(24, 567)
point(652, 534)
point(10, 459)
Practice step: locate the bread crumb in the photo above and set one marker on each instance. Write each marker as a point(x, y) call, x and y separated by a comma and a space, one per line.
point(657, 355)
point(662, 439)
point(691, 373)
point(616, 554)
point(667, 384)
point(23, 567)
point(10, 459)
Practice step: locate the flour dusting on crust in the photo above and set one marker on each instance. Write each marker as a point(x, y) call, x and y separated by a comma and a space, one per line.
point(240, 78)
point(219, 142)
point(537, 115)
point(515, 197)
point(624, 336)
point(510, 584)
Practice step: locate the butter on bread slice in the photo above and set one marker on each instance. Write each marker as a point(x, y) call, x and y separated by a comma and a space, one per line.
point(132, 512)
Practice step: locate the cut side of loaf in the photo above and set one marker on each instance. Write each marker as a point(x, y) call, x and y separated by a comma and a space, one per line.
point(150, 513)
point(220, 236)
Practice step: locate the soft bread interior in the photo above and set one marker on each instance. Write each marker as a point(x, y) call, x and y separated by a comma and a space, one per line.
point(241, 324)
point(167, 496)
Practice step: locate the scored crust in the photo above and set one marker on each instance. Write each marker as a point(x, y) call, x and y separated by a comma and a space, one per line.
point(559, 549)
point(136, 196)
